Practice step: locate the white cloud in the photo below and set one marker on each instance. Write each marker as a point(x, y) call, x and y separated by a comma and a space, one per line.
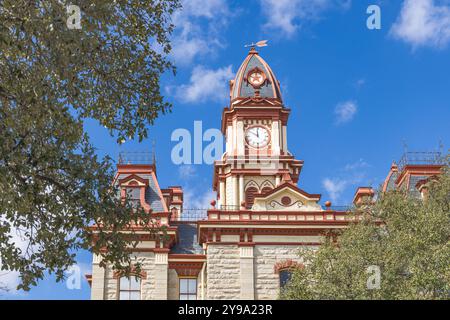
point(288, 16)
point(197, 29)
point(349, 176)
point(334, 187)
point(186, 171)
point(357, 165)
point(345, 111)
point(192, 200)
point(423, 23)
point(205, 84)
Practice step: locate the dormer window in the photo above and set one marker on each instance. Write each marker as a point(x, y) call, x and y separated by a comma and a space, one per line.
point(134, 196)
point(133, 187)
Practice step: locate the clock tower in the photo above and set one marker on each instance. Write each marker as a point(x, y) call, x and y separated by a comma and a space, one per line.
point(256, 158)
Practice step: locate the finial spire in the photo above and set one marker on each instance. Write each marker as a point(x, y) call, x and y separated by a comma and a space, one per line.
point(262, 43)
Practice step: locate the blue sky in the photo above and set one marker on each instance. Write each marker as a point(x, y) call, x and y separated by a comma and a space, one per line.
point(358, 96)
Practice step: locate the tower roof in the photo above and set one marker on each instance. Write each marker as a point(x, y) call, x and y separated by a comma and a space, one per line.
point(255, 79)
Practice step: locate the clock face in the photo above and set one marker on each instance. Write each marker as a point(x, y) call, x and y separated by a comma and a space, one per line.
point(257, 137)
point(256, 78)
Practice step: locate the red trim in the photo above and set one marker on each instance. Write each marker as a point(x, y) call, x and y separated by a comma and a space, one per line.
point(287, 243)
point(421, 170)
point(128, 168)
point(276, 222)
point(134, 228)
point(89, 279)
point(159, 192)
point(287, 265)
point(161, 250)
point(134, 177)
point(186, 268)
point(246, 244)
point(247, 216)
point(292, 187)
point(363, 192)
point(187, 256)
point(142, 274)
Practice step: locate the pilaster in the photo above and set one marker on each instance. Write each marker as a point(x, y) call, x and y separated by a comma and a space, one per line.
point(161, 273)
point(247, 276)
point(98, 279)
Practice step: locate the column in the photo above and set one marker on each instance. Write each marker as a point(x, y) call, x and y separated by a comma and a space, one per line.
point(223, 196)
point(161, 273)
point(98, 279)
point(277, 181)
point(229, 144)
point(235, 191)
point(275, 138)
point(285, 148)
point(247, 272)
point(240, 138)
point(203, 279)
point(241, 189)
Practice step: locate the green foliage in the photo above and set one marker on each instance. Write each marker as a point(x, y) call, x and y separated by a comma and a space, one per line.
point(52, 184)
point(407, 238)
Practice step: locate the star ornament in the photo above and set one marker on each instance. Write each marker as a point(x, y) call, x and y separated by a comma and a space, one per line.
point(256, 78)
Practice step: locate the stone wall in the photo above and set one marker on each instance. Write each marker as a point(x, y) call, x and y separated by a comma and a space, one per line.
point(223, 278)
point(172, 286)
point(225, 264)
point(147, 261)
point(267, 285)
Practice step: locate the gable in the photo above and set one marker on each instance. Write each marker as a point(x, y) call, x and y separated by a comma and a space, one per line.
point(287, 197)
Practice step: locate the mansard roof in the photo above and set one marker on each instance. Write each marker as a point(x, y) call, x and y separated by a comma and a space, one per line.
point(144, 174)
point(240, 88)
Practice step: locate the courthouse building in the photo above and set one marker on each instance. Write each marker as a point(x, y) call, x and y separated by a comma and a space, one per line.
point(247, 243)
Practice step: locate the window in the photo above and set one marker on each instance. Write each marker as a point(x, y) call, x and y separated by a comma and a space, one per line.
point(285, 276)
point(266, 190)
point(134, 196)
point(250, 197)
point(130, 288)
point(188, 289)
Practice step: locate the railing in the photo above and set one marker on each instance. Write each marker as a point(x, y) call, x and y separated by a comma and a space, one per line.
point(338, 208)
point(190, 215)
point(136, 158)
point(420, 158)
point(280, 216)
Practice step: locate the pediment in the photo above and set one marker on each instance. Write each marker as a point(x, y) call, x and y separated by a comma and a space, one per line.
point(133, 180)
point(287, 197)
point(259, 101)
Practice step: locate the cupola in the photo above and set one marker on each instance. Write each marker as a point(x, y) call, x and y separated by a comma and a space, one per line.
point(254, 79)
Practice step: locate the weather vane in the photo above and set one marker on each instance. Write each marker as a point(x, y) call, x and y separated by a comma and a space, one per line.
point(262, 43)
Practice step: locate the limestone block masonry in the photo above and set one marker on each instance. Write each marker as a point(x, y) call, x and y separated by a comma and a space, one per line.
point(148, 285)
point(223, 272)
point(266, 257)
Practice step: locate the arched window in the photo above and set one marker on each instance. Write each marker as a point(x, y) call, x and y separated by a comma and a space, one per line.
point(285, 277)
point(250, 197)
point(265, 190)
point(130, 288)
